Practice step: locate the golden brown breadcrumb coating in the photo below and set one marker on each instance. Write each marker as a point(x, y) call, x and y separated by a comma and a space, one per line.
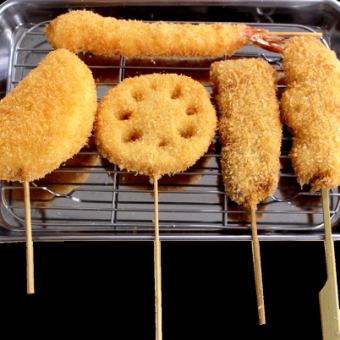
point(47, 118)
point(249, 127)
point(311, 109)
point(155, 124)
point(89, 32)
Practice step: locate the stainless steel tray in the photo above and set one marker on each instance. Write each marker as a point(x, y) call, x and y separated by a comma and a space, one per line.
point(90, 199)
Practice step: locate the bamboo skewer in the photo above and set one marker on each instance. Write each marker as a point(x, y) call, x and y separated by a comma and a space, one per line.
point(288, 34)
point(257, 268)
point(29, 242)
point(157, 267)
point(328, 296)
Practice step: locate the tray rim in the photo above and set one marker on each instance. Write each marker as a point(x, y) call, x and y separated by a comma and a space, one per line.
point(106, 3)
point(272, 3)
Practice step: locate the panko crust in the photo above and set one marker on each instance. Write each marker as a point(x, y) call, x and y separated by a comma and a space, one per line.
point(104, 36)
point(47, 118)
point(250, 128)
point(311, 109)
point(312, 54)
point(155, 124)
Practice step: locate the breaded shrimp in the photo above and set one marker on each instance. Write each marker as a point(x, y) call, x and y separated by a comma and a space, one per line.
point(47, 118)
point(311, 109)
point(250, 128)
point(89, 32)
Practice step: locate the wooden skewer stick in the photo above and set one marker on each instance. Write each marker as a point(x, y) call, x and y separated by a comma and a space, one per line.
point(288, 34)
point(328, 296)
point(257, 268)
point(29, 242)
point(157, 267)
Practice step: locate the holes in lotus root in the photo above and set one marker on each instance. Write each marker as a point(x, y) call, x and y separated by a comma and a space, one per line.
point(163, 143)
point(138, 96)
point(154, 86)
point(191, 110)
point(133, 136)
point(187, 132)
point(124, 115)
point(176, 93)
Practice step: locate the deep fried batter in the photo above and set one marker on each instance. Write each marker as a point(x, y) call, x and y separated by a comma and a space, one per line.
point(47, 118)
point(104, 36)
point(311, 107)
point(250, 128)
point(155, 124)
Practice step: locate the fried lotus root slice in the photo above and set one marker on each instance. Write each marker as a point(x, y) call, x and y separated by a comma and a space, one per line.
point(47, 118)
point(155, 124)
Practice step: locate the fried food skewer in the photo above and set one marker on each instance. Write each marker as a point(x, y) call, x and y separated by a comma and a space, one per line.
point(311, 110)
point(29, 241)
point(250, 134)
point(85, 31)
point(44, 110)
point(154, 125)
point(105, 36)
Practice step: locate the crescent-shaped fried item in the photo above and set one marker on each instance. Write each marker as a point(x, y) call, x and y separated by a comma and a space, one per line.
point(250, 128)
point(311, 109)
point(47, 118)
point(89, 32)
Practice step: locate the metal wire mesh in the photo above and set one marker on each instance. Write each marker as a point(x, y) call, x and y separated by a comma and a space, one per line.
point(88, 194)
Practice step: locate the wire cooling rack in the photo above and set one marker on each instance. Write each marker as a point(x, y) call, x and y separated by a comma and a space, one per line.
point(89, 198)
